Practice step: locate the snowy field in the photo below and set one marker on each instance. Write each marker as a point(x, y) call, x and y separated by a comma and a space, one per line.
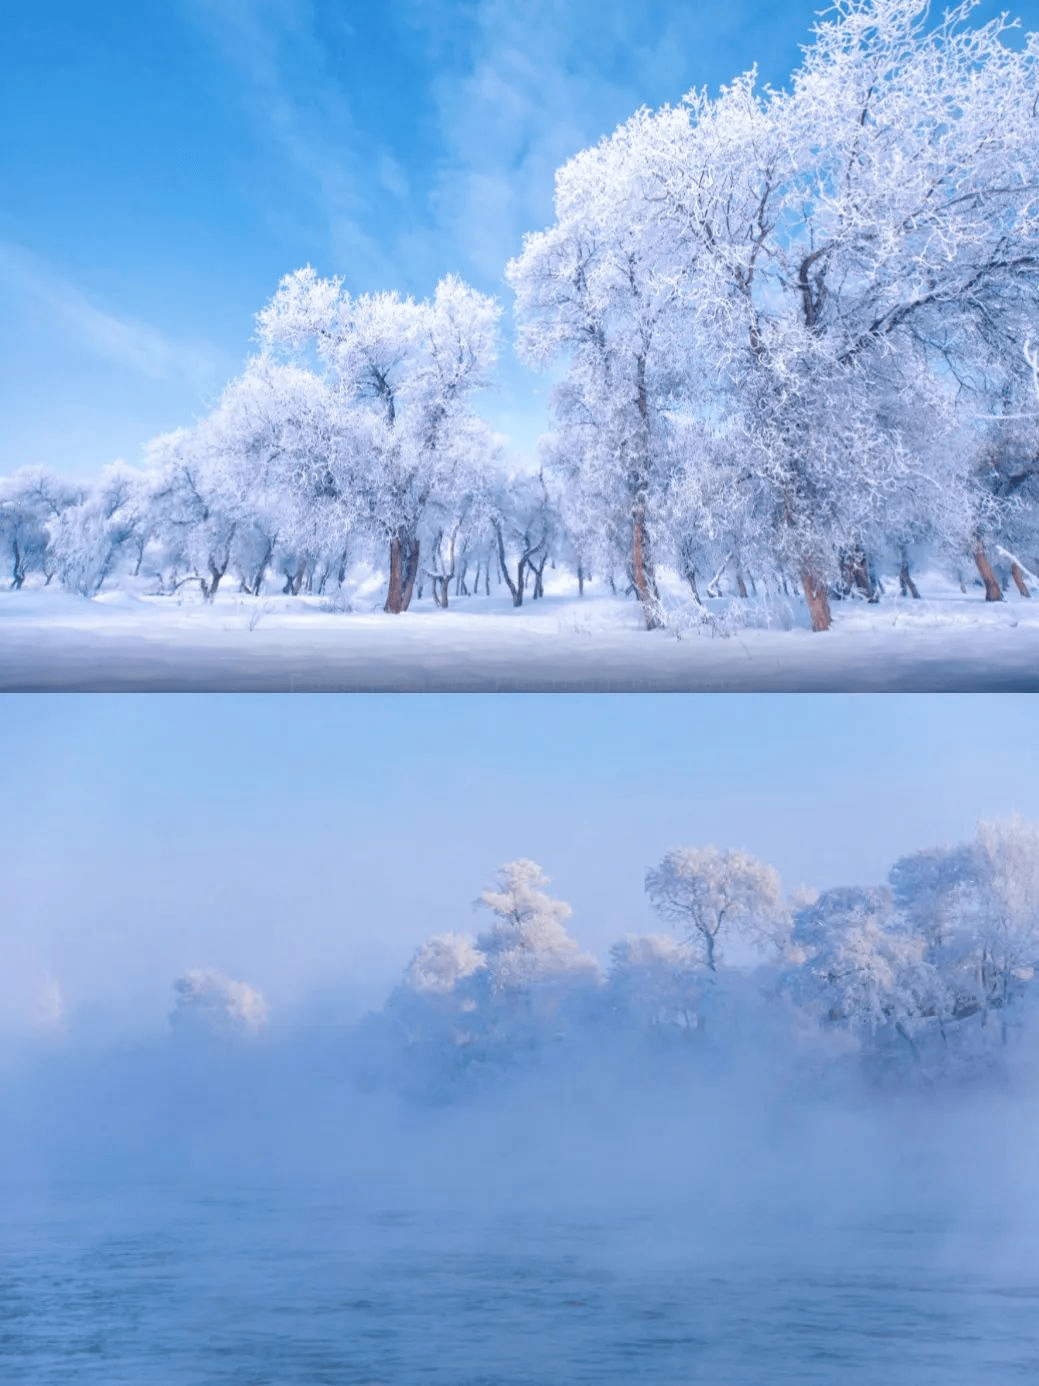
point(947, 642)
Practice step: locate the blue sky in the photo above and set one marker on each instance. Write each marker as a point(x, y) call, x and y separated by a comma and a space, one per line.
point(163, 165)
point(312, 843)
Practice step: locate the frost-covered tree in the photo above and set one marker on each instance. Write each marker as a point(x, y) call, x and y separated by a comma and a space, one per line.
point(601, 289)
point(468, 1007)
point(907, 237)
point(656, 981)
point(857, 967)
point(788, 275)
point(108, 522)
point(1006, 910)
point(460, 534)
point(402, 374)
point(442, 962)
point(25, 509)
point(712, 895)
point(280, 454)
point(976, 909)
point(523, 521)
point(435, 1002)
point(195, 507)
point(1007, 476)
point(210, 1005)
point(528, 944)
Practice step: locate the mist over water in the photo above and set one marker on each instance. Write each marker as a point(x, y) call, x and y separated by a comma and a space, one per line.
point(264, 1211)
point(510, 1161)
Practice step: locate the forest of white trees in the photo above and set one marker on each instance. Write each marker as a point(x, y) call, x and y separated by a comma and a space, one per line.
point(926, 977)
point(793, 335)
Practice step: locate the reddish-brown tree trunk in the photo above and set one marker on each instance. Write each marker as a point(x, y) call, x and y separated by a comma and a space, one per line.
point(993, 591)
point(404, 551)
point(1019, 579)
point(393, 595)
point(816, 597)
point(411, 547)
point(642, 571)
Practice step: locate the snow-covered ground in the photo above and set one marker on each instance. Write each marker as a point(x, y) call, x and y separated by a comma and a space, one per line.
point(121, 640)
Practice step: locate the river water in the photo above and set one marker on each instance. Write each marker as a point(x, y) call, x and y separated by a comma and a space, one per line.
point(185, 1283)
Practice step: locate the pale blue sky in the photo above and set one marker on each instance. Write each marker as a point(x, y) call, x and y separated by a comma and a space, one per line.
point(163, 165)
point(309, 843)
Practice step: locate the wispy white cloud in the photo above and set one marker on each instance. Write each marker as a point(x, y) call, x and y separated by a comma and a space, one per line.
point(515, 87)
point(121, 340)
point(527, 101)
point(542, 79)
point(297, 105)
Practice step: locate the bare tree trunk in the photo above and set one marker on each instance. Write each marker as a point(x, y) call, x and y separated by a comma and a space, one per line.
point(740, 584)
point(690, 577)
point(816, 597)
point(216, 574)
point(539, 583)
point(404, 553)
point(906, 584)
point(393, 594)
point(641, 562)
point(642, 570)
point(709, 939)
point(993, 591)
point(410, 570)
point(580, 579)
point(1019, 579)
point(516, 588)
point(855, 573)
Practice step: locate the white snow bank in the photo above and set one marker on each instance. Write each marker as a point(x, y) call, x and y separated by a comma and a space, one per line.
point(950, 641)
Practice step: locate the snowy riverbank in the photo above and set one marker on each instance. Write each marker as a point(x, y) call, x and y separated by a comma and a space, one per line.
point(949, 641)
